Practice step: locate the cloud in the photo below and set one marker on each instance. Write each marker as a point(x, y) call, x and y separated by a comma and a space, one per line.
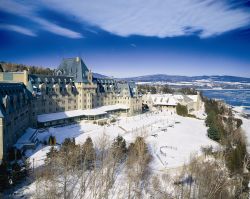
point(133, 45)
point(53, 28)
point(18, 29)
point(160, 18)
point(29, 11)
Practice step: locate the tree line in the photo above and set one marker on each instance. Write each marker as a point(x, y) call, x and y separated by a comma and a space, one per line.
point(89, 171)
point(114, 169)
point(225, 129)
point(154, 89)
point(12, 67)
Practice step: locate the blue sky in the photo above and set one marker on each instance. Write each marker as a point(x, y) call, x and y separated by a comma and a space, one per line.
point(130, 37)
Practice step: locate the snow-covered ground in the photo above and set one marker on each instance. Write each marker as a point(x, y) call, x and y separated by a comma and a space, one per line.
point(239, 112)
point(171, 138)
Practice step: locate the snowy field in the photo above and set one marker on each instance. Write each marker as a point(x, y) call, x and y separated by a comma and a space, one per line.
point(171, 138)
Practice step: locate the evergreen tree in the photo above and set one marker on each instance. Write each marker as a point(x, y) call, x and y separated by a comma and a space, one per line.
point(213, 133)
point(68, 143)
point(88, 153)
point(51, 155)
point(153, 90)
point(166, 89)
point(181, 110)
point(211, 118)
point(119, 148)
point(139, 149)
point(235, 156)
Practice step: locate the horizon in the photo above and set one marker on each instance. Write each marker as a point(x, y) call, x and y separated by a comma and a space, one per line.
point(191, 38)
point(109, 76)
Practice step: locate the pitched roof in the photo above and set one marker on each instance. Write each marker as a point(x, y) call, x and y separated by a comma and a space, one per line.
point(171, 99)
point(166, 99)
point(74, 67)
point(130, 87)
point(37, 79)
point(12, 91)
point(105, 84)
point(76, 113)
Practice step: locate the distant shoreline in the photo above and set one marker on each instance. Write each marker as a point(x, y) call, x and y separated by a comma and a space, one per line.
point(217, 89)
point(233, 97)
point(241, 110)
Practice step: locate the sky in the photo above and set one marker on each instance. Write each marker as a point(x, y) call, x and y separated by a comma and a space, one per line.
point(125, 38)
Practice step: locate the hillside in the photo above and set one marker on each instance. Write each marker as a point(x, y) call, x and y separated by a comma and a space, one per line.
point(198, 82)
point(178, 78)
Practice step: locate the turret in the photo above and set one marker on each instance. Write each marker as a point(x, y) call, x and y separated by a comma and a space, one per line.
point(90, 76)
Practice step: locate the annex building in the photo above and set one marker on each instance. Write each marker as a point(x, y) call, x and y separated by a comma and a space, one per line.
point(170, 101)
point(70, 95)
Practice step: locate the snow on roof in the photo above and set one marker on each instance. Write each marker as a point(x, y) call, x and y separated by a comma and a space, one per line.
point(25, 138)
point(75, 113)
point(178, 97)
point(171, 99)
point(193, 97)
point(68, 114)
point(114, 107)
point(165, 99)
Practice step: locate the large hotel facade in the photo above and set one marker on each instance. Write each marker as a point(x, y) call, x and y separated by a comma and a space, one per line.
point(70, 95)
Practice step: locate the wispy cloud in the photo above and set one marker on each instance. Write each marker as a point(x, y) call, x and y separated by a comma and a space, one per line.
point(18, 29)
point(29, 11)
point(53, 28)
point(133, 45)
point(161, 18)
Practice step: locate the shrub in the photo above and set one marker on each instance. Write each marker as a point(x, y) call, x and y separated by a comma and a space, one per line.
point(187, 91)
point(213, 133)
point(238, 122)
point(112, 120)
point(211, 118)
point(181, 110)
point(235, 157)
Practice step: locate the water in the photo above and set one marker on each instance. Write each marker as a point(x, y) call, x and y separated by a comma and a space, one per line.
point(232, 97)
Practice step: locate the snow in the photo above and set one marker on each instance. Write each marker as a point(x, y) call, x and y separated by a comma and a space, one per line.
point(169, 99)
point(25, 138)
point(68, 114)
point(239, 112)
point(75, 113)
point(114, 107)
point(193, 97)
point(200, 114)
point(171, 138)
point(38, 156)
point(163, 99)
